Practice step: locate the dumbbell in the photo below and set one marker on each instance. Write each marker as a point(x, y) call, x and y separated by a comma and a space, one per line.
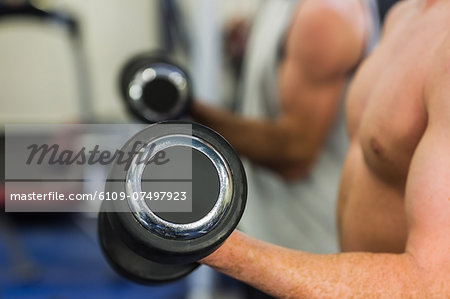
point(155, 88)
point(144, 241)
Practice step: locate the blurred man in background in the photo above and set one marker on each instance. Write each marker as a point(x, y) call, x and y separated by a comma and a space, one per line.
point(290, 128)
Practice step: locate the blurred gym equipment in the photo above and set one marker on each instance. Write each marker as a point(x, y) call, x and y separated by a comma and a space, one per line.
point(28, 9)
point(155, 88)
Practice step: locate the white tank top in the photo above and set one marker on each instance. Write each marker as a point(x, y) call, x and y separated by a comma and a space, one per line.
point(302, 214)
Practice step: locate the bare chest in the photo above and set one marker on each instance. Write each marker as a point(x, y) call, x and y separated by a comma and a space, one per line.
point(385, 108)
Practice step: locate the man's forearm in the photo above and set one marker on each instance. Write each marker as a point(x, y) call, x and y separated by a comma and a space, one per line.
point(265, 142)
point(288, 273)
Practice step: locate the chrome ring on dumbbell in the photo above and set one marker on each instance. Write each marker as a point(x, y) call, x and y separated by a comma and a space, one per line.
point(149, 246)
point(164, 228)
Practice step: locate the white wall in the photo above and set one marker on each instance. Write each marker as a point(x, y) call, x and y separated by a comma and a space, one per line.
point(37, 76)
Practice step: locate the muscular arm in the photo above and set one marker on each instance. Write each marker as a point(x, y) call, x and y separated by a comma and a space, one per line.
point(286, 273)
point(422, 271)
point(311, 78)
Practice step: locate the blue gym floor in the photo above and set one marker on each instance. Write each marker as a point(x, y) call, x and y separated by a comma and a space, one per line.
point(62, 259)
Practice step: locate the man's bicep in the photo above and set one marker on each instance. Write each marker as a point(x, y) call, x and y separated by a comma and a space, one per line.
point(306, 104)
point(307, 113)
point(325, 42)
point(428, 189)
point(311, 80)
point(322, 47)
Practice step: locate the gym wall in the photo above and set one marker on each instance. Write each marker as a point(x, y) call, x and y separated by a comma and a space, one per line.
point(38, 82)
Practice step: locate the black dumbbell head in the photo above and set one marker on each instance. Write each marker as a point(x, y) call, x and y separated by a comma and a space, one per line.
point(155, 88)
point(168, 243)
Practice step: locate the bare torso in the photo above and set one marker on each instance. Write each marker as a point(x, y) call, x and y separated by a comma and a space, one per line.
point(386, 119)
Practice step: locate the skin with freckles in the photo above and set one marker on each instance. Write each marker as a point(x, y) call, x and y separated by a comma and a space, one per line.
point(393, 202)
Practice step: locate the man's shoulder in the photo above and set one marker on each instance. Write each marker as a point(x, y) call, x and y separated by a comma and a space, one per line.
point(329, 34)
point(438, 79)
point(327, 12)
point(397, 13)
point(329, 21)
point(444, 49)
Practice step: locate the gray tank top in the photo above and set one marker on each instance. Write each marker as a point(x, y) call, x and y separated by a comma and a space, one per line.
point(301, 214)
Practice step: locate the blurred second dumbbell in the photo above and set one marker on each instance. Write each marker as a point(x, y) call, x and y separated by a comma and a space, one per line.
point(155, 88)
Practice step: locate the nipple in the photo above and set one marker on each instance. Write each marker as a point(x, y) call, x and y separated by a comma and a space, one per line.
point(376, 147)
